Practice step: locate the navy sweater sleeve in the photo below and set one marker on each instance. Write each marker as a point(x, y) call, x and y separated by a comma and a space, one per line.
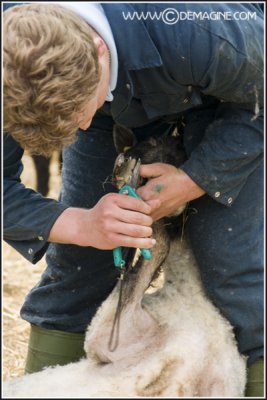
point(228, 66)
point(230, 151)
point(28, 217)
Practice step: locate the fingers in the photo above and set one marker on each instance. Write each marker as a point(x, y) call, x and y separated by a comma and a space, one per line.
point(133, 217)
point(131, 203)
point(122, 220)
point(149, 193)
point(131, 230)
point(128, 241)
point(160, 177)
point(153, 170)
point(138, 217)
point(154, 204)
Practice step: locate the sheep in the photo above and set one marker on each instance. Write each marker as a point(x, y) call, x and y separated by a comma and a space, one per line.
point(42, 165)
point(172, 341)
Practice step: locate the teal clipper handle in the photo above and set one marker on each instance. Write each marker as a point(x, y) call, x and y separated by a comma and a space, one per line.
point(146, 253)
point(117, 254)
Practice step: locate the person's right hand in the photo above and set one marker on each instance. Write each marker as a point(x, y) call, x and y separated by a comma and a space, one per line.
point(116, 220)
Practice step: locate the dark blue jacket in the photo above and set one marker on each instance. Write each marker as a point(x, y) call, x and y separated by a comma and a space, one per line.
point(167, 69)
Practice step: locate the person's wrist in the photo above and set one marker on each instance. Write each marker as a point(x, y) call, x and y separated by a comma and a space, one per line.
point(82, 227)
point(69, 227)
point(193, 189)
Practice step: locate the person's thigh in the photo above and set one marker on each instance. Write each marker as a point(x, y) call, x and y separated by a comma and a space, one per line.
point(228, 245)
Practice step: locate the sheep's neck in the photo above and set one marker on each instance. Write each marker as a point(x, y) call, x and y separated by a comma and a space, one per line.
point(136, 326)
point(137, 281)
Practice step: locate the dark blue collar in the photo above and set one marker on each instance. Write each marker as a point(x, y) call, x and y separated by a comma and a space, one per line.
point(135, 48)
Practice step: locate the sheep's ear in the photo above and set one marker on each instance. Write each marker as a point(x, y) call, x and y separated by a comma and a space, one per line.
point(123, 138)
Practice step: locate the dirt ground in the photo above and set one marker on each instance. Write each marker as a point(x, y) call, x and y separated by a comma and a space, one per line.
point(18, 277)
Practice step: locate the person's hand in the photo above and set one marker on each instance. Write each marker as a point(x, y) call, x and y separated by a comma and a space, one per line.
point(172, 186)
point(121, 220)
point(116, 220)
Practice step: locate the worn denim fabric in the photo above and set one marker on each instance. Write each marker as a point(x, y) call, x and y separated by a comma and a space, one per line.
point(228, 246)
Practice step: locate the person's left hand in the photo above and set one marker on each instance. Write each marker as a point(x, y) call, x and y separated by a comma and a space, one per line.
point(172, 186)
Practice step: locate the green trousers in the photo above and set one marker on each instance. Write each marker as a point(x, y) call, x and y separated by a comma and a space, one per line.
point(49, 347)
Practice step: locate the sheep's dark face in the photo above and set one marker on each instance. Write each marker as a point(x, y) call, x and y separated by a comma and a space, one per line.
point(167, 150)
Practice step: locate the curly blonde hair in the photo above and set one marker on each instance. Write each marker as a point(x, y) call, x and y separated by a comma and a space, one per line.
point(51, 71)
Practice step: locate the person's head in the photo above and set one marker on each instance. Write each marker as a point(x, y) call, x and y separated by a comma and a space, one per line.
point(56, 74)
